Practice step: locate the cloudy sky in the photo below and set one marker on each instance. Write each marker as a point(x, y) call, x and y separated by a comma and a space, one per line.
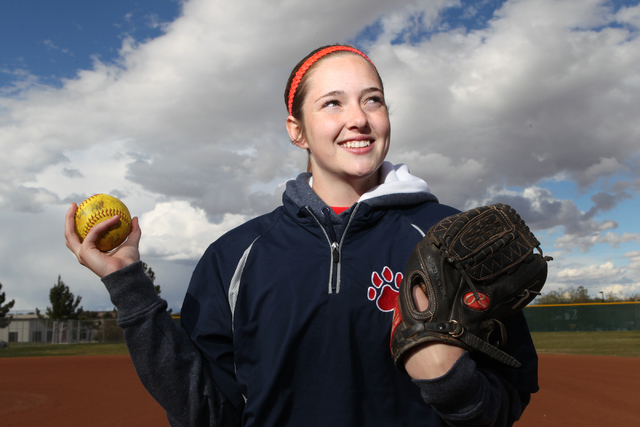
point(177, 108)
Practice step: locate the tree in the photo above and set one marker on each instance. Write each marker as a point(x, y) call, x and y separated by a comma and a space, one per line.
point(63, 305)
point(149, 272)
point(4, 309)
point(152, 276)
point(580, 295)
point(570, 295)
point(551, 297)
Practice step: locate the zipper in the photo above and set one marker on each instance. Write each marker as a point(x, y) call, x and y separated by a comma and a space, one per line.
point(334, 245)
point(335, 249)
point(344, 233)
point(333, 239)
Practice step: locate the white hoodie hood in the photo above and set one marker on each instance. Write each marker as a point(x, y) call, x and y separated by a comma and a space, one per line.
point(396, 179)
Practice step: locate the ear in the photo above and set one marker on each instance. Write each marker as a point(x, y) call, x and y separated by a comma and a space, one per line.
point(295, 132)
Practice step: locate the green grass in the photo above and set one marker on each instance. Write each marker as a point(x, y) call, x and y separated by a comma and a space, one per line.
point(37, 350)
point(623, 344)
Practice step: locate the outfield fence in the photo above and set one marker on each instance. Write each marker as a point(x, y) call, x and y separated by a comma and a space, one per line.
point(614, 316)
point(48, 331)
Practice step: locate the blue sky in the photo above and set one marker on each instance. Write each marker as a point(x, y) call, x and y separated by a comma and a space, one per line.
point(52, 40)
point(176, 108)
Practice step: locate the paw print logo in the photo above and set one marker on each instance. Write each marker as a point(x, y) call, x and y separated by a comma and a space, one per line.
point(385, 289)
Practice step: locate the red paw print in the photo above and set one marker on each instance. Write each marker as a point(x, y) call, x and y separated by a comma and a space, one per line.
point(385, 289)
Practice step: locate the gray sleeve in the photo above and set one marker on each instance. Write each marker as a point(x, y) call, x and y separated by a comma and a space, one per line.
point(169, 365)
point(467, 395)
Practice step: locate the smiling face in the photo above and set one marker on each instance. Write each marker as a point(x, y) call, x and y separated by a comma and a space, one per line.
point(345, 123)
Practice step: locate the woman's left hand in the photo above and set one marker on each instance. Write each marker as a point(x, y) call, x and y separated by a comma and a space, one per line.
point(431, 360)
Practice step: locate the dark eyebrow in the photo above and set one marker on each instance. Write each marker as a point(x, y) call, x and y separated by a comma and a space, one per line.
point(371, 89)
point(332, 93)
point(340, 92)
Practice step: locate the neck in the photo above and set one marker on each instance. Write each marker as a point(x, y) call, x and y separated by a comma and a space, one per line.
point(343, 192)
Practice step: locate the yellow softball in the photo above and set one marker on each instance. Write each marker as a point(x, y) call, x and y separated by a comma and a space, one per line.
point(98, 208)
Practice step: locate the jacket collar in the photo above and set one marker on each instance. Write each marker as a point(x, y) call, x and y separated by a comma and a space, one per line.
point(398, 188)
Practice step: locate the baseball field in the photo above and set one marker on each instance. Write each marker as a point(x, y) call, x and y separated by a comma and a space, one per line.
point(586, 379)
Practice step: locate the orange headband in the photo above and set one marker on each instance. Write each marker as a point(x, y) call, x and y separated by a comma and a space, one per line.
point(309, 62)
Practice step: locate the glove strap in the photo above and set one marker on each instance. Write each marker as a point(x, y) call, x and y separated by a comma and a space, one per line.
point(457, 331)
point(486, 348)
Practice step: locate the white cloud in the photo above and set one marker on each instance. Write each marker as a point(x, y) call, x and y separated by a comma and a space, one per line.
point(593, 272)
point(605, 167)
point(191, 124)
point(629, 15)
point(177, 231)
point(542, 210)
point(505, 101)
point(544, 90)
point(611, 276)
point(584, 243)
point(634, 261)
point(619, 290)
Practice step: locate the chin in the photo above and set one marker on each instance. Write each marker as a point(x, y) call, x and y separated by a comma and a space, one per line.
point(367, 169)
point(365, 173)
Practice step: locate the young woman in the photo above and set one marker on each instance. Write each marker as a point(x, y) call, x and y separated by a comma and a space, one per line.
point(286, 320)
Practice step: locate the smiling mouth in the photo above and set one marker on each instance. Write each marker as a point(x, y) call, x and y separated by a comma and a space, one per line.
point(355, 144)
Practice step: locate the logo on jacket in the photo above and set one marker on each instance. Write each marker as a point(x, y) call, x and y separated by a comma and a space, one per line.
point(385, 289)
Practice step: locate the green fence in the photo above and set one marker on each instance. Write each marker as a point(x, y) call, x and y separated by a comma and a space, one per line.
point(615, 316)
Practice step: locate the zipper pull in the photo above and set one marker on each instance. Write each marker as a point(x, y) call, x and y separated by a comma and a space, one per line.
point(335, 250)
point(335, 247)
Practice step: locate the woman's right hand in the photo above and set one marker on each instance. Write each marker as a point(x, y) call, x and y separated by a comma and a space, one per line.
point(101, 263)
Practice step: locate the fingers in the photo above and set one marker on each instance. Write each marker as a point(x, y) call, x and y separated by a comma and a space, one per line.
point(71, 237)
point(101, 263)
point(420, 299)
point(136, 233)
point(99, 229)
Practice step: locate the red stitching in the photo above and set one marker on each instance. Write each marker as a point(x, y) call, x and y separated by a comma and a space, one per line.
point(106, 213)
point(87, 201)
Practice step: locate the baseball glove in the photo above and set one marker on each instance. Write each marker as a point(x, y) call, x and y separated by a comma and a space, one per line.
point(477, 268)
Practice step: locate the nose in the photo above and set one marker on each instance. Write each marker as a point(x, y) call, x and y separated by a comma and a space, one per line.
point(357, 117)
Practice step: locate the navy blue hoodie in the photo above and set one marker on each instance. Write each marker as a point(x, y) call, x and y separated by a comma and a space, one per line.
point(287, 321)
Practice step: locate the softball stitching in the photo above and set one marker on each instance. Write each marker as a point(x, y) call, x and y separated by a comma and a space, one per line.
point(105, 213)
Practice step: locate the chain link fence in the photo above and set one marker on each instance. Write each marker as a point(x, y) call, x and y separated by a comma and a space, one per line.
point(541, 318)
point(615, 316)
point(48, 331)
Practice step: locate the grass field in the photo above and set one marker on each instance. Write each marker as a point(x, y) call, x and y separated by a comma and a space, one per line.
point(622, 344)
point(34, 350)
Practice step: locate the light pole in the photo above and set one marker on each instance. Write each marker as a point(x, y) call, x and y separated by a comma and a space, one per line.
point(602, 295)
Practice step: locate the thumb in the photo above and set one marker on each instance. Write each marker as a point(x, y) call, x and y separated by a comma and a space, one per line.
point(136, 233)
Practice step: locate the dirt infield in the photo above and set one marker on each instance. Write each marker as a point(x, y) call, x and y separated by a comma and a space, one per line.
point(104, 391)
point(97, 391)
point(585, 391)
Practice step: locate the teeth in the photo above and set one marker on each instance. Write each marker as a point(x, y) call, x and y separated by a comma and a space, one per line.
point(356, 144)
